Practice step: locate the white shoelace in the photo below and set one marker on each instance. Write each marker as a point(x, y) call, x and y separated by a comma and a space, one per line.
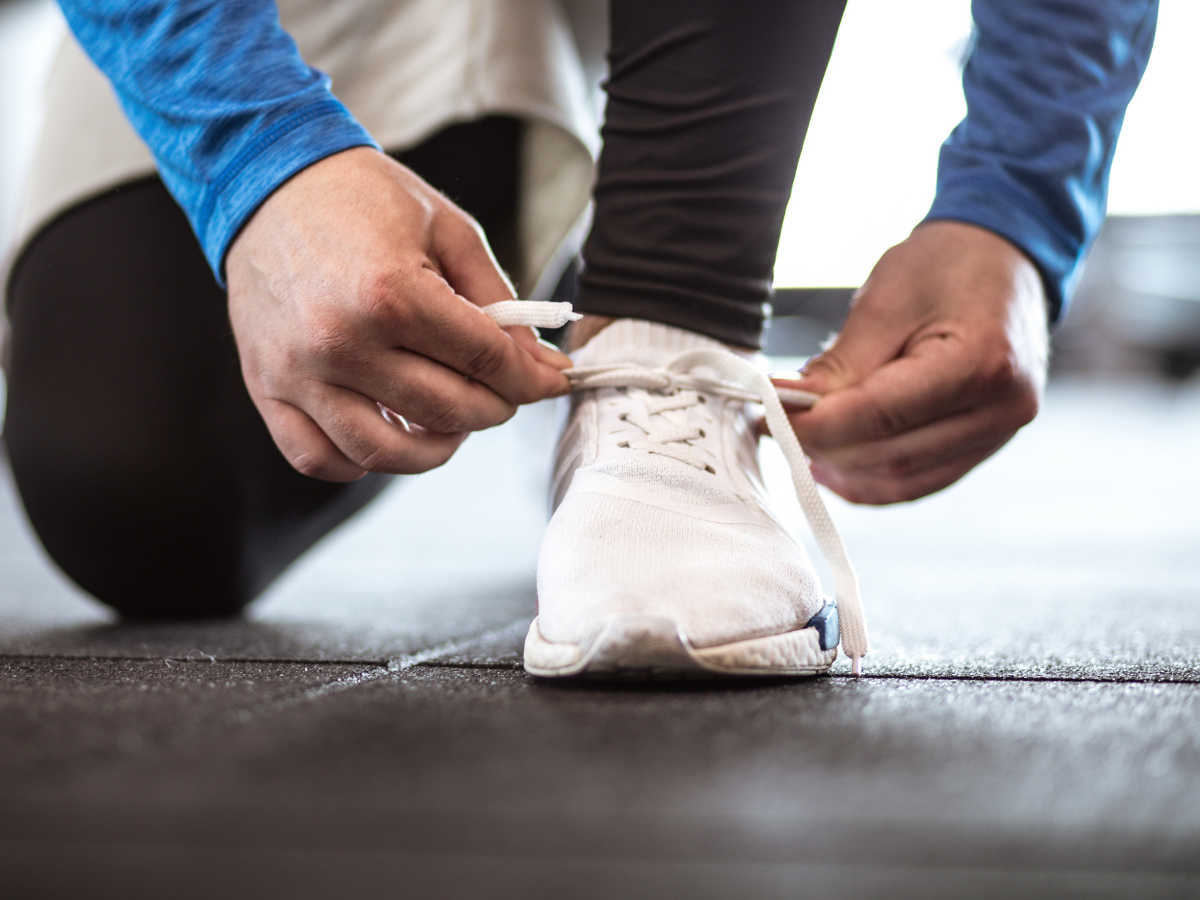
point(738, 379)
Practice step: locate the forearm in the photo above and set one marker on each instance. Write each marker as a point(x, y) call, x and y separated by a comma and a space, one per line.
point(219, 93)
point(1046, 88)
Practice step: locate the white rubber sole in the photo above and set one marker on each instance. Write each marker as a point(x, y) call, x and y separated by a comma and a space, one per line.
point(631, 645)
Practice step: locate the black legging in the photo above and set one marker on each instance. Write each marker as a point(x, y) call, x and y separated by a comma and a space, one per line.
point(141, 461)
point(708, 104)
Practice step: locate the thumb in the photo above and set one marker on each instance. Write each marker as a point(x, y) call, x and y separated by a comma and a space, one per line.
point(472, 271)
point(867, 341)
point(466, 260)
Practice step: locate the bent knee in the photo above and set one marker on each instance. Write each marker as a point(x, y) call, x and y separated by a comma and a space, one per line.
point(148, 543)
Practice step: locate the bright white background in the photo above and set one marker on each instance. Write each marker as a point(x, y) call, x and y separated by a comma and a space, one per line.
point(892, 95)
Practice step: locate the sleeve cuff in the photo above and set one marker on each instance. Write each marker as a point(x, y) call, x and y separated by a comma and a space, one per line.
point(305, 136)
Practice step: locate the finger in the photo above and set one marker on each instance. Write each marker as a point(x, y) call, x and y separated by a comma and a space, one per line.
point(872, 335)
point(939, 379)
point(922, 450)
point(304, 444)
point(374, 441)
point(462, 251)
point(451, 330)
point(543, 351)
point(877, 490)
point(424, 392)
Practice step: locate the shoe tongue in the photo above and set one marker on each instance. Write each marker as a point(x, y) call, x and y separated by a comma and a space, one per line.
point(640, 342)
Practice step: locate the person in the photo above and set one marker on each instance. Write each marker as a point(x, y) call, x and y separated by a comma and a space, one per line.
point(357, 290)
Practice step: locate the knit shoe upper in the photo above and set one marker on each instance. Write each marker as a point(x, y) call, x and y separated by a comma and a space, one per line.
point(659, 508)
point(662, 556)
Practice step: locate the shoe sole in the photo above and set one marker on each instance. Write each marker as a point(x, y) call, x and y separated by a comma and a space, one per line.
point(639, 646)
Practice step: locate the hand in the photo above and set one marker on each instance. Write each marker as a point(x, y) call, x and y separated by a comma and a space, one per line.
point(941, 360)
point(356, 286)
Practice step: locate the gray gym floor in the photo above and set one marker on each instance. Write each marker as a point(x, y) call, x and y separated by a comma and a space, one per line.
point(1029, 724)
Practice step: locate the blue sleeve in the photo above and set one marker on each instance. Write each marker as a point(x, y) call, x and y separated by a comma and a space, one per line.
point(219, 93)
point(1046, 83)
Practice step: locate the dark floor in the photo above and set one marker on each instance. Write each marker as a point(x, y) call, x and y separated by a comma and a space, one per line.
point(1029, 726)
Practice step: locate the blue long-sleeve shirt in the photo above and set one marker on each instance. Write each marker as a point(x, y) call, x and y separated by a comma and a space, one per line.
point(1046, 83)
point(230, 111)
point(219, 93)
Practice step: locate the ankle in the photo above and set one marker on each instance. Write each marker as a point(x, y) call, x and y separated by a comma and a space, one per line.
point(586, 329)
point(591, 325)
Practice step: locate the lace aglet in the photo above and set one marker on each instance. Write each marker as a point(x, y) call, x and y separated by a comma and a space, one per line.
point(856, 666)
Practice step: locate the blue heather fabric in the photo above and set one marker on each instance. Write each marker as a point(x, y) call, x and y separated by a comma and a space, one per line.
point(221, 96)
point(230, 111)
point(1047, 83)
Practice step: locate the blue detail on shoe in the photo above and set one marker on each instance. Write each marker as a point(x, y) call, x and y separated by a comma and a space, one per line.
point(826, 623)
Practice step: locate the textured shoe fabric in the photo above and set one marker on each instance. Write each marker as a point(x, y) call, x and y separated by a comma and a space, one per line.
point(662, 545)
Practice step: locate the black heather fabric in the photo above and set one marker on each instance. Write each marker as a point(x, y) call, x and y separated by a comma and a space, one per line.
point(708, 105)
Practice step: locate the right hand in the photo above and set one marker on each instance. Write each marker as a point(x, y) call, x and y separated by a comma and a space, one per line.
point(941, 360)
point(356, 285)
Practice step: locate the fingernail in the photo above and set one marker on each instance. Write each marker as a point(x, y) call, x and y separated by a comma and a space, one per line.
point(784, 376)
point(552, 356)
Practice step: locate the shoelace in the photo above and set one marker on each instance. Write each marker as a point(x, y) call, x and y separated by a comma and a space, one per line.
point(736, 378)
point(669, 440)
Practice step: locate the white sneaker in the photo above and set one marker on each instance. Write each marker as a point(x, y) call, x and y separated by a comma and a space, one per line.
point(662, 556)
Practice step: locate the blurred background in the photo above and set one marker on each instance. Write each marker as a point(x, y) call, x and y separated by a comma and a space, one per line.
point(867, 175)
point(870, 162)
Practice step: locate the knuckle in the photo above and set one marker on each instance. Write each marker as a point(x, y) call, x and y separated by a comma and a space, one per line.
point(829, 363)
point(523, 393)
point(451, 418)
point(901, 467)
point(455, 416)
point(315, 464)
point(307, 464)
point(328, 337)
point(465, 228)
point(884, 420)
point(381, 297)
point(996, 369)
point(486, 363)
point(1029, 404)
point(380, 459)
point(255, 376)
point(1001, 372)
point(1002, 378)
point(506, 413)
point(460, 236)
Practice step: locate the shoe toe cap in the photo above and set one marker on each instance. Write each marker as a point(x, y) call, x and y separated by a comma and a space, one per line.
point(719, 582)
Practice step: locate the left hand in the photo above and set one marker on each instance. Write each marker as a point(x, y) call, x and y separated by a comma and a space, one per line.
point(941, 360)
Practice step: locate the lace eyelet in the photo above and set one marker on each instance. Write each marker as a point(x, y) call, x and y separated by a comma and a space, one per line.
point(624, 445)
point(703, 433)
point(710, 470)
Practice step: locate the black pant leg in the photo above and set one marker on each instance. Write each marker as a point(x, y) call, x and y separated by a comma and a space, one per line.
point(142, 464)
point(708, 105)
point(144, 467)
